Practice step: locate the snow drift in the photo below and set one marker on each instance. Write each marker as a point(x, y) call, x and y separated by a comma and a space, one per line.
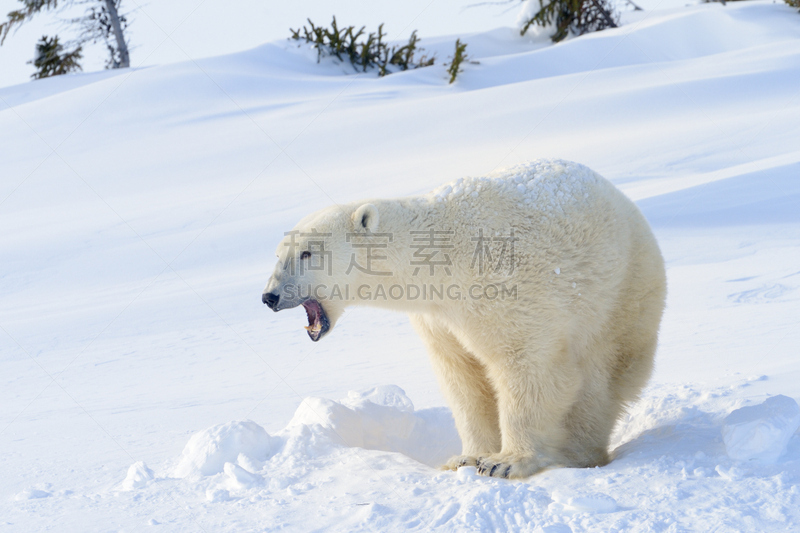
point(139, 211)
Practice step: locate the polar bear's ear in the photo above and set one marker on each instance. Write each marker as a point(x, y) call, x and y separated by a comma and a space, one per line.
point(366, 217)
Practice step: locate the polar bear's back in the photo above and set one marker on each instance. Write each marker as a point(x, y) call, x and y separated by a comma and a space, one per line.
point(545, 201)
point(550, 188)
point(579, 241)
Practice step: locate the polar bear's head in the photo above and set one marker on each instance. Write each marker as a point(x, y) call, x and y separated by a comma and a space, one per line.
point(315, 265)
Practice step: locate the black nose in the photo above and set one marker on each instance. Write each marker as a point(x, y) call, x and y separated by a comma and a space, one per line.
point(271, 300)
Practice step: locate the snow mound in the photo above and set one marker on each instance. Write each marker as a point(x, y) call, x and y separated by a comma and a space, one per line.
point(381, 418)
point(138, 476)
point(209, 450)
point(761, 432)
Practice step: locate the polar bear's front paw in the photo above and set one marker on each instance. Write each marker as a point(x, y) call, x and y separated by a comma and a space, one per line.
point(458, 461)
point(508, 466)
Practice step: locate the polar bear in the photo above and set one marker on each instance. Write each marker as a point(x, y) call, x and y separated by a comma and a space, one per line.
point(538, 291)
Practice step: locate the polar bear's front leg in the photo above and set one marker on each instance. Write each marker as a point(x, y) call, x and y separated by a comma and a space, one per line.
point(534, 395)
point(467, 389)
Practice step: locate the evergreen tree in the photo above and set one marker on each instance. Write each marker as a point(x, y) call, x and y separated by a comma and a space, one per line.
point(454, 69)
point(51, 61)
point(374, 52)
point(573, 16)
point(102, 21)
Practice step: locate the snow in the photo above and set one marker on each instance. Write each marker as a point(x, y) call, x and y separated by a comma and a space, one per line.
point(181, 30)
point(144, 384)
point(381, 418)
point(212, 450)
point(138, 476)
point(762, 431)
point(592, 502)
point(32, 494)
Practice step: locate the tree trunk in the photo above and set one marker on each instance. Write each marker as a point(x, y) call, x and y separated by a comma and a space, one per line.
point(124, 59)
point(604, 12)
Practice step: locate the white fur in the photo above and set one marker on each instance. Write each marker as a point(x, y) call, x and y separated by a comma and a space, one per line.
point(533, 381)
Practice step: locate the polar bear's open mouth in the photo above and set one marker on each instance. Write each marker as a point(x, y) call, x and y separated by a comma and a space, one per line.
point(318, 323)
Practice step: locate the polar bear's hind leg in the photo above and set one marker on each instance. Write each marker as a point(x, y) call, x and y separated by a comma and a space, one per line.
point(630, 355)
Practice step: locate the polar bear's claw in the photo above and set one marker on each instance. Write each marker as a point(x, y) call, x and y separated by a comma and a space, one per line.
point(506, 467)
point(500, 473)
point(457, 461)
point(487, 467)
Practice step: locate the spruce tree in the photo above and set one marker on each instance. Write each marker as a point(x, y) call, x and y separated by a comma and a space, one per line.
point(454, 69)
point(101, 21)
point(51, 60)
point(373, 52)
point(573, 16)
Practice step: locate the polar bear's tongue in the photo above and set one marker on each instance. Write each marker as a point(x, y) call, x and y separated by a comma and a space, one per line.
point(315, 318)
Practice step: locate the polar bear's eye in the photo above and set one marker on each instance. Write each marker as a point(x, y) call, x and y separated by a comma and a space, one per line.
point(305, 255)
